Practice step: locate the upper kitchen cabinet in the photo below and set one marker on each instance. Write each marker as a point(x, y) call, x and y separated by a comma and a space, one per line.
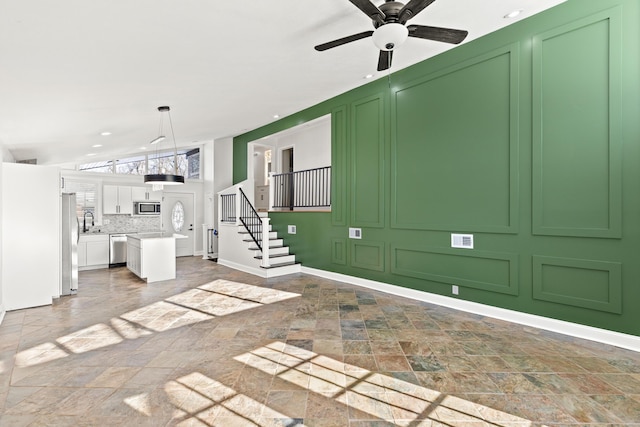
point(140, 194)
point(117, 199)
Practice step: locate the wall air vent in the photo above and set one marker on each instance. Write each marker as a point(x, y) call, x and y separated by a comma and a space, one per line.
point(355, 233)
point(464, 241)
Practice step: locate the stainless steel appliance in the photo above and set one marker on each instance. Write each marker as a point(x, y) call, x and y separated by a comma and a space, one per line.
point(70, 237)
point(117, 250)
point(146, 208)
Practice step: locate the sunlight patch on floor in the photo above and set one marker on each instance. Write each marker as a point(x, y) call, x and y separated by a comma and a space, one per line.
point(381, 396)
point(140, 403)
point(208, 301)
point(200, 398)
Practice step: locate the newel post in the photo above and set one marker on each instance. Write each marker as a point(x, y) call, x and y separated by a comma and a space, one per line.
point(265, 242)
point(238, 205)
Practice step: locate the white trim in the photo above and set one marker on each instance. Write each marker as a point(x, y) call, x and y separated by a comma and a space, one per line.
point(2, 313)
point(255, 271)
point(629, 342)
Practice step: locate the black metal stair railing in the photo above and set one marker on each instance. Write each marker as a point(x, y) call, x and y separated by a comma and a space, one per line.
point(250, 219)
point(309, 188)
point(228, 209)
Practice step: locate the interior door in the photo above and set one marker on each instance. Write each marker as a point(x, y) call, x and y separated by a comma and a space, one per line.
point(178, 217)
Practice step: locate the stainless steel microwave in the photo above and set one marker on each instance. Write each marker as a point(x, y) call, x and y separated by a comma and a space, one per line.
point(146, 208)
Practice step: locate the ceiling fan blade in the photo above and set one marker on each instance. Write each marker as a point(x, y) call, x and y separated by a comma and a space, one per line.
point(384, 60)
point(446, 35)
point(370, 10)
point(412, 8)
point(344, 40)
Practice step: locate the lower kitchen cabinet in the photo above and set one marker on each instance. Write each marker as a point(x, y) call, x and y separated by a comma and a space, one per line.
point(93, 251)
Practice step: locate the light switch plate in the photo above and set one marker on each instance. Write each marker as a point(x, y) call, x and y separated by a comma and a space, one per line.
point(355, 233)
point(291, 229)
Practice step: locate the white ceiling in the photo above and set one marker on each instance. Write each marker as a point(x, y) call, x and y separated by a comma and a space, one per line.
point(71, 69)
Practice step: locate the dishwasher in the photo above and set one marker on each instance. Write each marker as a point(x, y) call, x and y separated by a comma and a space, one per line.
point(117, 250)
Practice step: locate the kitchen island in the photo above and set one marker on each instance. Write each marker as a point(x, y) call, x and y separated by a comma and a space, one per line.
point(152, 256)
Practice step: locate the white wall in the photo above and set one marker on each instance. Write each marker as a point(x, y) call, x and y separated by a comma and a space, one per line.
point(30, 235)
point(2, 310)
point(312, 145)
point(222, 169)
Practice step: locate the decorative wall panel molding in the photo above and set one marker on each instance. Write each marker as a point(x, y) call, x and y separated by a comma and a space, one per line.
point(577, 144)
point(454, 147)
point(367, 162)
point(367, 254)
point(488, 271)
point(339, 161)
point(595, 285)
point(339, 251)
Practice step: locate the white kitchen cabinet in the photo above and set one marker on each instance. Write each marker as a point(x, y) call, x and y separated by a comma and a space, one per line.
point(145, 194)
point(117, 199)
point(152, 256)
point(82, 253)
point(93, 251)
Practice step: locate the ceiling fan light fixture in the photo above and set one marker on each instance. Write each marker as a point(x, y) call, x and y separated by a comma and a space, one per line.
point(390, 36)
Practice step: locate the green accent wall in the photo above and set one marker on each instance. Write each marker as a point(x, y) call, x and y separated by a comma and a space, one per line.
point(527, 138)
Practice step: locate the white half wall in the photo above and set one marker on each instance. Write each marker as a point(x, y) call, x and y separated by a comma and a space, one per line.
point(31, 243)
point(2, 157)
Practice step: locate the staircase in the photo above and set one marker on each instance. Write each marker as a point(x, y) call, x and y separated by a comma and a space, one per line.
point(242, 244)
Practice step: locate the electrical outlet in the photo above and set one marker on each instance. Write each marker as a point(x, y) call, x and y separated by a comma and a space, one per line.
point(454, 289)
point(291, 229)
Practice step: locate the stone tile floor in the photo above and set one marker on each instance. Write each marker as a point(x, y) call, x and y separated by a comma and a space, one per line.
point(218, 347)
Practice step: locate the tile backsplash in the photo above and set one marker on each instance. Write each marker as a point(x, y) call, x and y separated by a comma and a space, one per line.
point(127, 223)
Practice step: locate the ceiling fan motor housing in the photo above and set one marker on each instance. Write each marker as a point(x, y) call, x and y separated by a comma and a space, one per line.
point(391, 10)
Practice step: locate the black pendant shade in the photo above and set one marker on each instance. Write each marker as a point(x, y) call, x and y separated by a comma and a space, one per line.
point(158, 178)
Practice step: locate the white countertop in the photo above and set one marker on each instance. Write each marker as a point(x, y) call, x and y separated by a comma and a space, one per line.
point(156, 235)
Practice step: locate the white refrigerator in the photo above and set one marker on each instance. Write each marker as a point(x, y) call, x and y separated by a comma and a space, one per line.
point(70, 237)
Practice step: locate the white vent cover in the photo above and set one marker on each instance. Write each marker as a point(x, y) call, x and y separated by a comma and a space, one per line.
point(464, 241)
point(355, 233)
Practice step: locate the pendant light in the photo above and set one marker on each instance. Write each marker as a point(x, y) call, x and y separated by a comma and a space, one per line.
point(158, 180)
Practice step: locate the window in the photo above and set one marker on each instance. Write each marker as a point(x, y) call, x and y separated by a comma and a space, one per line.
point(86, 197)
point(193, 164)
point(188, 164)
point(102, 167)
point(132, 165)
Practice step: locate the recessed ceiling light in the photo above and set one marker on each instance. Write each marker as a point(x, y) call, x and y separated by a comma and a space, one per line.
point(105, 133)
point(276, 116)
point(368, 76)
point(513, 14)
point(143, 148)
point(96, 146)
point(91, 154)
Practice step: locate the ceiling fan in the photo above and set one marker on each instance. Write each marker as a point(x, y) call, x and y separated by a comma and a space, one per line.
point(390, 30)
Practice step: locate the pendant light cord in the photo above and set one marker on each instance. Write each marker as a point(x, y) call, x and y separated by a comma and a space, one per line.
point(175, 147)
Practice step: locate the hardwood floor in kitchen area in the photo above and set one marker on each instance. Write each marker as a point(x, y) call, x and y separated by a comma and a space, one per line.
point(218, 347)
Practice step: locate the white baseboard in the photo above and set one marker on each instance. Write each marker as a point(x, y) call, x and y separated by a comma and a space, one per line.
point(255, 271)
point(630, 342)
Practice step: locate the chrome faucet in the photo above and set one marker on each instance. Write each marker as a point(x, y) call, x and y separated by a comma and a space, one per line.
point(84, 221)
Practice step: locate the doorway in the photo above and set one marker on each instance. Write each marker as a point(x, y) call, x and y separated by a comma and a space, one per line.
point(287, 182)
point(178, 217)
